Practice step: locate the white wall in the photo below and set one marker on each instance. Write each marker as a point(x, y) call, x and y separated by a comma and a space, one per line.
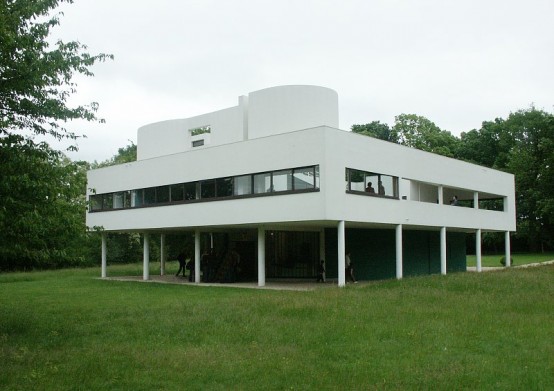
point(333, 150)
point(173, 136)
point(262, 113)
point(292, 150)
point(360, 152)
point(282, 109)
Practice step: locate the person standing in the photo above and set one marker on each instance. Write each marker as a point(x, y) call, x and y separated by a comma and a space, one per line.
point(349, 271)
point(182, 258)
point(321, 272)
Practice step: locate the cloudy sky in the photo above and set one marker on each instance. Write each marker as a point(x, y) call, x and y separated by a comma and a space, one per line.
point(457, 63)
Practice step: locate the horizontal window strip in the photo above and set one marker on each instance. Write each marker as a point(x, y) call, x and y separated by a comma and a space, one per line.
point(278, 182)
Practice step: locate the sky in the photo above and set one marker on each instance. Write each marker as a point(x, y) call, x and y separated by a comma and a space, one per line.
point(457, 63)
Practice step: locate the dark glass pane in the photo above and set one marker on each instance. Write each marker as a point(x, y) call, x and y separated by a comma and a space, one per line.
point(224, 187)
point(107, 201)
point(357, 180)
point(127, 199)
point(207, 188)
point(177, 192)
point(162, 194)
point(190, 190)
point(149, 196)
point(96, 202)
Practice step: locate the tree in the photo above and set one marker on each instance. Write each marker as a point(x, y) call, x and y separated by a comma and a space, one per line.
point(126, 154)
point(42, 200)
point(35, 80)
point(531, 160)
point(418, 132)
point(488, 146)
point(377, 130)
point(522, 144)
point(42, 206)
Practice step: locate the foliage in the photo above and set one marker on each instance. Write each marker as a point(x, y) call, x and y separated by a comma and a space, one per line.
point(488, 146)
point(42, 200)
point(503, 261)
point(41, 207)
point(377, 130)
point(35, 80)
point(126, 154)
point(531, 160)
point(522, 144)
point(200, 130)
point(419, 132)
point(422, 333)
point(412, 131)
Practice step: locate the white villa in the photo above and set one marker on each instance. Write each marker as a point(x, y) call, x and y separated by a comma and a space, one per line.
point(274, 179)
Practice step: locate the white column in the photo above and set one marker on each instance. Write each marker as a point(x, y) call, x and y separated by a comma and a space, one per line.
point(163, 254)
point(443, 250)
point(104, 255)
point(507, 249)
point(399, 256)
point(197, 256)
point(261, 256)
point(441, 197)
point(475, 200)
point(341, 253)
point(478, 250)
point(146, 258)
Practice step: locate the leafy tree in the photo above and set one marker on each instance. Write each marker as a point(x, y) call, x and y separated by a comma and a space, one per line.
point(412, 131)
point(35, 79)
point(522, 144)
point(42, 200)
point(126, 154)
point(377, 130)
point(42, 206)
point(419, 132)
point(531, 160)
point(488, 146)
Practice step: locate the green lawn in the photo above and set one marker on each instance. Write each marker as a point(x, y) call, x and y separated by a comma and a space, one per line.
point(66, 329)
point(518, 259)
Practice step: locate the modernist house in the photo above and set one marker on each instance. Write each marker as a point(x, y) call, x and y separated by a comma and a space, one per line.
point(274, 179)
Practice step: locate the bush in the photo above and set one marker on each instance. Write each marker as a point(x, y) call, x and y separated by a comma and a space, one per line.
point(503, 261)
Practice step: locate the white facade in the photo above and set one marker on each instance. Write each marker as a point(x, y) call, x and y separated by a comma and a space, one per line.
point(262, 113)
point(289, 127)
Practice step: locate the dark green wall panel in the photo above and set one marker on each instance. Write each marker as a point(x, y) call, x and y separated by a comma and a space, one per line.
point(373, 252)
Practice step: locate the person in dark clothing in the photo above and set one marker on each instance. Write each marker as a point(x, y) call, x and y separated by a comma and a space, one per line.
point(182, 258)
point(190, 266)
point(321, 272)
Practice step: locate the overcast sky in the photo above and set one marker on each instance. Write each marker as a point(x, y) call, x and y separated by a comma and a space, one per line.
point(457, 63)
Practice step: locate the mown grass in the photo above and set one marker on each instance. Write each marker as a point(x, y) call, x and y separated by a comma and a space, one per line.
point(518, 259)
point(64, 330)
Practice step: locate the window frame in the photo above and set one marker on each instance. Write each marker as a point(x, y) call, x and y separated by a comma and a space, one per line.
point(139, 196)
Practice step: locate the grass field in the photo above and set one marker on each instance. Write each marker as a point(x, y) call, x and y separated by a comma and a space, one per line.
point(518, 259)
point(68, 330)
